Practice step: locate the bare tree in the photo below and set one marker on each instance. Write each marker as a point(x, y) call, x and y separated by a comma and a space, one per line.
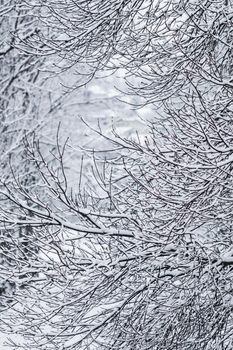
point(21, 92)
point(166, 45)
point(144, 261)
point(142, 258)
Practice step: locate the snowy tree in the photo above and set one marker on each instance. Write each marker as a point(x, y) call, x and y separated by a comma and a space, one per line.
point(165, 44)
point(142, 257)
point(145, 261)
point(21, 114)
